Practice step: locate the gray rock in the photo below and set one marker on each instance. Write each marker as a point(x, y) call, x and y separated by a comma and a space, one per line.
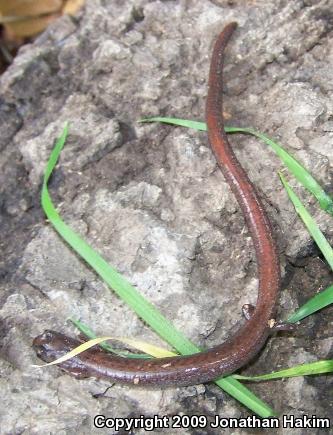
point(152, 201)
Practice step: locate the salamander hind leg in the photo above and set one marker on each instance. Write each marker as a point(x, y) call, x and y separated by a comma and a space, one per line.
point(248, 310)
point(282, 326)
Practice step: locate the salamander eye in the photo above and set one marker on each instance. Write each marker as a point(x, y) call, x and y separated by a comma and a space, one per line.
point(47, 335)
point(43, 340)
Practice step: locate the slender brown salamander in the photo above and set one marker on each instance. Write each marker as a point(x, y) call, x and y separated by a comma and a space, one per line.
point(249, 339)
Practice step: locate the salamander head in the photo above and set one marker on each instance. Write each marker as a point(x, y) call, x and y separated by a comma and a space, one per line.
point(51, 345)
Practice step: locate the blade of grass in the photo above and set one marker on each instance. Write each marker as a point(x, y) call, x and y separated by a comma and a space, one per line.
point(300, 173)
point(316, 303)
point(76, 351)
point(131, 296)
point(196, 125)
point(315, 368)
point(88, 332)
point(310, 224)
point(155, 351)
point(298, 170)
point(119, 284)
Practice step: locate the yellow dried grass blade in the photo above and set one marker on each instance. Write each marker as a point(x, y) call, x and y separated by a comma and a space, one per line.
point(79, 349)
point(150, 349)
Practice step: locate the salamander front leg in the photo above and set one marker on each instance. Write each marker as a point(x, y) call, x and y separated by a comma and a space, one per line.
point(248, 310)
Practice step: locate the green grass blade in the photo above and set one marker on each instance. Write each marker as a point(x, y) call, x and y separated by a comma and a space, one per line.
point(241, 393)
point(131, 296)
point(315, 368)
point(299, 172)
point(318, 302)
point(310, 224)
point(196, 125)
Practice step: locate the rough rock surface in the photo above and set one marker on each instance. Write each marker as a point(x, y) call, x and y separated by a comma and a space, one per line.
point(151, 199)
